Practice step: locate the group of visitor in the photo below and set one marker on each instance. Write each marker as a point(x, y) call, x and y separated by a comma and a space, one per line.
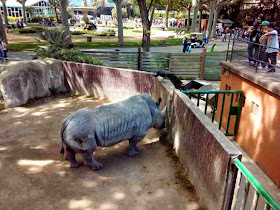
point(263, 43)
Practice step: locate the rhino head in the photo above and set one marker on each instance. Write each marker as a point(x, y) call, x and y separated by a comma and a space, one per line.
point(159, 116)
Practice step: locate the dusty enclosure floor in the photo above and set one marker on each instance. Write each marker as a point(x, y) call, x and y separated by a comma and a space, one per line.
point(35, 176)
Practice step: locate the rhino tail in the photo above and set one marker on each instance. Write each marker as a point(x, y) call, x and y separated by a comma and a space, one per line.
point(63, 127)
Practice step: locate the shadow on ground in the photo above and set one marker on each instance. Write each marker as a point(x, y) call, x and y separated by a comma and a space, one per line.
point(35, 176)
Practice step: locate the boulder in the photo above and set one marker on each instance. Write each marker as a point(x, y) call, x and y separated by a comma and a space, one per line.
point(25, 80)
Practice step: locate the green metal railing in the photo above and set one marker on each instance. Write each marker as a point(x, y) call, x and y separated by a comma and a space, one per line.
point(213, 102)
point(259, 190)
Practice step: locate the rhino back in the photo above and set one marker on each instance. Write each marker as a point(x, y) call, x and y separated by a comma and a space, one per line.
point(110, 124)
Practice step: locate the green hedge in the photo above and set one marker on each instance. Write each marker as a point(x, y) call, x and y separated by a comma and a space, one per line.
point(73, 54)
point(34, 29)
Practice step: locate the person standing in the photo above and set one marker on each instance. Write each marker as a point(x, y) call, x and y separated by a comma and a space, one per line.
point(5, 50)
point(185, 44)
point(271, 37)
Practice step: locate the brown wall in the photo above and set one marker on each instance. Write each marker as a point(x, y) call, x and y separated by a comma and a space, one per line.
point(258, 132)
point(202, 149)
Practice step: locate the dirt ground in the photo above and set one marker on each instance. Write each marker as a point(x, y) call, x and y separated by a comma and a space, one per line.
point(35, 176)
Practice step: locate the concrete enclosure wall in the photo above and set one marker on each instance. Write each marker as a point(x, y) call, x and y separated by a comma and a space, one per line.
point(202, 149)
point(259, 127)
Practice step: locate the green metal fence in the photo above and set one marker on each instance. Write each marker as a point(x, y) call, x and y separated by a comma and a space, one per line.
point(259, 190)
point(212, 98)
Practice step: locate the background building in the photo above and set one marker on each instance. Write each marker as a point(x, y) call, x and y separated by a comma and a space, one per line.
point(39, 8)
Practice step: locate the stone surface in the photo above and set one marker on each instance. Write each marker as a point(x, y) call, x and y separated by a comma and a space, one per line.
point(22, 81)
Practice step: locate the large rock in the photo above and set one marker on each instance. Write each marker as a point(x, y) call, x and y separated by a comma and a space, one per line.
point(26, 80)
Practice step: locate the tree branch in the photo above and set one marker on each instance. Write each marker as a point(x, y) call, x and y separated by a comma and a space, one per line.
point(150, 6)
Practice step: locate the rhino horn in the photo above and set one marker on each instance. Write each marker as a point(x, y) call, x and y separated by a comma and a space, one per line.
point(163, 112)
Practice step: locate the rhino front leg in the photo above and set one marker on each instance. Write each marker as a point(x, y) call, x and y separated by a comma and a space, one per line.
point(90, 161)
point(133, 149)
point(70, 156)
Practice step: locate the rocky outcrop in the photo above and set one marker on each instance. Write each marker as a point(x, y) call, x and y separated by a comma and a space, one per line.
point(22, 81)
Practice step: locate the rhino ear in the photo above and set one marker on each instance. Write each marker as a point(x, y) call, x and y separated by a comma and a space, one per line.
point(159, 101)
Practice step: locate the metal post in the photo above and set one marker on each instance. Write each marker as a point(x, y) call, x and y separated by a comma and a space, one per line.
point(139, 59)
point(222, 111)
point(255, 200)
point(207, 96)
point(245, 195)
point(238, 112)
point(215, 106)
point(229, 113)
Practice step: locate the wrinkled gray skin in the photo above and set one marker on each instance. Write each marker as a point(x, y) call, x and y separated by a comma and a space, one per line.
point(108, 125)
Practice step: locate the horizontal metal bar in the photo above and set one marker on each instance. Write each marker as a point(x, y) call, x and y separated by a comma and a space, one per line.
point(210, 91)
point(256, 184)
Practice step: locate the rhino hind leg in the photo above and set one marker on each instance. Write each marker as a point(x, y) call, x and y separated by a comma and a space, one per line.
point(133, 149)
point(70, 156)
point(90, 160)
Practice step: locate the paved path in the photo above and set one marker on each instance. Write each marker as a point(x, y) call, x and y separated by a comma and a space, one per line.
point(220, 46)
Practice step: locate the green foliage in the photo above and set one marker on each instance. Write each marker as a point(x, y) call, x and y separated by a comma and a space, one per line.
point(73, 54)
point(35, 29)
point(124, 12)
point(110, 32)
point(77, 32)
point(137, 31)
point(36, 19)
point(128, 27)
point(58, 37)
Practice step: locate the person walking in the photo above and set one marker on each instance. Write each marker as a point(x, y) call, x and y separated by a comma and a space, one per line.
point(271, 37)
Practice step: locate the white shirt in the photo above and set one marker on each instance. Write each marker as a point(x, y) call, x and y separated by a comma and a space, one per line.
point(272, 41)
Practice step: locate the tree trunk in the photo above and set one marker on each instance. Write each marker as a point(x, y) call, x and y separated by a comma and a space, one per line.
point(5, 12)
point(200, 17)
point(194, 19)
point(167, 13)
point(64, 18)
point(3, 35)
point(120, 24)
point(216, 14)
point(146, 25)
point(189, 18)
point(56, 14)
point(210, 20)
point(24, 12)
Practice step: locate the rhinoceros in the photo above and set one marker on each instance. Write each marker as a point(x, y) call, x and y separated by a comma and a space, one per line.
point(107, 125)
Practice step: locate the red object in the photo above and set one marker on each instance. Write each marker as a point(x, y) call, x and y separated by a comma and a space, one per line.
point(43, 44)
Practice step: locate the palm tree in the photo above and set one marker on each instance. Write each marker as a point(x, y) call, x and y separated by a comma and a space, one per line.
point(22, 2)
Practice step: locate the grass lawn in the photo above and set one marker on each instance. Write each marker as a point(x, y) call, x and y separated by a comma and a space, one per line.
point(31, 46)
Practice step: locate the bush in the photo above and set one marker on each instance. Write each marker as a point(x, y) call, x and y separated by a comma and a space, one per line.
point(137, 31)
point(128, 27)
point(57, 37)
point(35, 29)
point(27, 31)
point(110, 32)
point(77, 32)
point(36, 19)
point(72, 54)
